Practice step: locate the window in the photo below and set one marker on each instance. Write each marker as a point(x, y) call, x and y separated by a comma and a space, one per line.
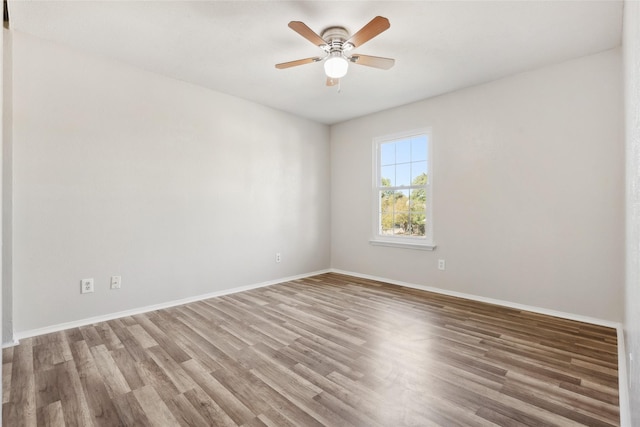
point(402, 191)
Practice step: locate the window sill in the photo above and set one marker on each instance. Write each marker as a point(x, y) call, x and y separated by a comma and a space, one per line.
point(406, 245)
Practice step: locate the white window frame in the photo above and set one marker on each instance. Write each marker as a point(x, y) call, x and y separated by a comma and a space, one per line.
point(411, 242)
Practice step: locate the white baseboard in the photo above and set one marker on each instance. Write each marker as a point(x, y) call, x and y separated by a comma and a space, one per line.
point(517, 306)
point(91, 320)
point(12, 343)
point(623, 390)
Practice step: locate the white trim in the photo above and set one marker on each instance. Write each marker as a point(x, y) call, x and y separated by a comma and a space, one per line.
point(539, 310)
point(403, 244)
point(623, 386)
point(91, 320)
point(10, 344)
point(403, 241)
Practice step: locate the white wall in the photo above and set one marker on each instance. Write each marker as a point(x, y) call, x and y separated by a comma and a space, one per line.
point(2, 125)
point(7, 186)
point(185, 191)
point(631, 45)
point(180, 190)
point(528, 190)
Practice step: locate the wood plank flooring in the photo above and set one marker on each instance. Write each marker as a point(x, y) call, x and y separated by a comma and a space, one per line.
point(329, 350)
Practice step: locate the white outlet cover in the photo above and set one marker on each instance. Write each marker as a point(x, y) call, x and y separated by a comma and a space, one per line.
point(86, 286)
point(116, 282)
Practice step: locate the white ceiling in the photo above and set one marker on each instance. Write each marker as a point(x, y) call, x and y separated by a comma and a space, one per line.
point(232, 46)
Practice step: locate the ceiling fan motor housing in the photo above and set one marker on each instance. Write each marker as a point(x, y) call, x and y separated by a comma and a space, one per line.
point(335, 38)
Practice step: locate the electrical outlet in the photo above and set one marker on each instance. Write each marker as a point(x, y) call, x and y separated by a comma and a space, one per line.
point(86, 286)
point(278, 257)
point(441, 264)
point(116, 282)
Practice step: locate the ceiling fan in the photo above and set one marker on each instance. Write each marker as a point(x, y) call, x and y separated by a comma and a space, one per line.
point(337, 44)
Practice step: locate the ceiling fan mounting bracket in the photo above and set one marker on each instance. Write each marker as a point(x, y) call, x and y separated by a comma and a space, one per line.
point(335, 33)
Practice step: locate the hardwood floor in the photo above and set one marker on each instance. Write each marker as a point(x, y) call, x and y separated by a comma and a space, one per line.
point(329, 350)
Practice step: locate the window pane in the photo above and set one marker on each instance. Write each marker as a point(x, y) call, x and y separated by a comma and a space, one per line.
point(401, 223)
point(403, 174)
point(403, 151)
point(418, 204)
point(419, 173)
point(402, 199)
point(417, 225)
point(388, 176)
point(387, 154)
point(401, 212)
point(419, 148)
point(387, 200)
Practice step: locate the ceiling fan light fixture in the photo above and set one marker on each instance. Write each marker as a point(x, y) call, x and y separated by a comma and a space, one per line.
point(336, 66)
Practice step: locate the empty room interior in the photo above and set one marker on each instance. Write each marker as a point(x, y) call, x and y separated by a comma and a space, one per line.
point(301, 213)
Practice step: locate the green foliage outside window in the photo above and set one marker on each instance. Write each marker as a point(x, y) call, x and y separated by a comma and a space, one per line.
point(403, 212)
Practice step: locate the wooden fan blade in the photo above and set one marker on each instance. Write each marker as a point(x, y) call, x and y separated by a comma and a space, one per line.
point(373, 61)
point(306, 32)
point(332, 82)
point(376, 26)
point(297, 62)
